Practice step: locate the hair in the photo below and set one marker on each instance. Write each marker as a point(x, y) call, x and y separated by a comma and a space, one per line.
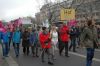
point(89, 22)
point(43, 28)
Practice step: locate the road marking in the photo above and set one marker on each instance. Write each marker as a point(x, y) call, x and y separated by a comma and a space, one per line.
point(97, 50)
point(83, 56)
point(9, 60)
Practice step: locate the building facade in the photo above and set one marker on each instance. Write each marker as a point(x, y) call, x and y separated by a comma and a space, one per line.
point(84, 9)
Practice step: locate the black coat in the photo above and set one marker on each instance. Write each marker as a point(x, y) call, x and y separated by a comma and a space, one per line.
point(25, 39)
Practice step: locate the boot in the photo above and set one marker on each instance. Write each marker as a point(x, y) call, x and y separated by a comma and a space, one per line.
point(50, 63)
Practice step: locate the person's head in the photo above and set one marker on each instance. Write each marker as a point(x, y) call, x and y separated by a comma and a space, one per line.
point(25, 30)
point(45, 30)
point(90, 23)
point(53, 27)
point(17, 29)
point(34, 30)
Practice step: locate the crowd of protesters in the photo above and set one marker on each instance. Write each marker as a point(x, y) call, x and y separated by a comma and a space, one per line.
point(49, 40)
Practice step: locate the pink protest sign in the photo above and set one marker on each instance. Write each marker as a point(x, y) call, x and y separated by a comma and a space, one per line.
point(72, 23)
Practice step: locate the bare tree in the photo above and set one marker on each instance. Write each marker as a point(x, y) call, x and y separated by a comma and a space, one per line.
point(82, 7)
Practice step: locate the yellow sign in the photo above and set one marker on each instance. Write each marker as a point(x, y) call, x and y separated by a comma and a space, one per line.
point(67, 14)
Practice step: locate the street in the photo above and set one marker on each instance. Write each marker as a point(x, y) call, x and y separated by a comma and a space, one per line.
point(75, 59)
point(72, 25)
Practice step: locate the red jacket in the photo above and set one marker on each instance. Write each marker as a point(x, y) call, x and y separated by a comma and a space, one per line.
point(64, 33)
point(43, 38)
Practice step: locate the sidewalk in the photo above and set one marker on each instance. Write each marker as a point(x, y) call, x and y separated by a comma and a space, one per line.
point(2, 61)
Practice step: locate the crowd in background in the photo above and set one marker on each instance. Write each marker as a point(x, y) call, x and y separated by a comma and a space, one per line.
point(49, 40)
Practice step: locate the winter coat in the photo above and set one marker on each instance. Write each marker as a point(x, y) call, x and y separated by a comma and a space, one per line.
point(63, 33)
point(45, 40)
point(16, 37)
point(78, 32)
point(25, 39)
point(89, 37)
point(5, 37)
point(73, 33)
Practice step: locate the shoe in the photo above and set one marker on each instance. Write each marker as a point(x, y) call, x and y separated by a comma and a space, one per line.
point(50, 63)
point(17, 56)
point(67, 55)
point(37, 56)
point(43, 61)
point(74, 51)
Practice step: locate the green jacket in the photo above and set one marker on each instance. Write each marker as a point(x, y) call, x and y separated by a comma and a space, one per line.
point(89, 37)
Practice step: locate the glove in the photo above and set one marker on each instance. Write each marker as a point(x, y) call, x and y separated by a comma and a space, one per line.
point(47, 41)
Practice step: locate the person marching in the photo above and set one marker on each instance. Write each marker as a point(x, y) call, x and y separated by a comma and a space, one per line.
point(10, 37)
point(73, 36)
point(45, 42)
point(89, 39)
point(64, 39)
point(54, 40)
point(16, 41)
point(5, 43)
point(25, 42)
point(34, 42)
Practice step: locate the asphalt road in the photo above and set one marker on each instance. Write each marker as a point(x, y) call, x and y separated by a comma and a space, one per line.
point(75, 59)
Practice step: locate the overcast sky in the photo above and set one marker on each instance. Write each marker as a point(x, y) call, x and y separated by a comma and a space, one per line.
point(11, 9)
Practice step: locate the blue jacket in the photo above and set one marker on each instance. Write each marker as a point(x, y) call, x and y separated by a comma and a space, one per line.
point(5, 37)
point(33, 39)
point(16, 37)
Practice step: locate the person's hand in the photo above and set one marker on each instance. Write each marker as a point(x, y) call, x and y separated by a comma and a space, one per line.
point(46, 44)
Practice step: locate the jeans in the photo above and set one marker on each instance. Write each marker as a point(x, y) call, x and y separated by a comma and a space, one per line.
point(90, 55)
point(73, 44)
point(5, 49)
point(26, 50)
point(9, 42)
point(16, 48)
